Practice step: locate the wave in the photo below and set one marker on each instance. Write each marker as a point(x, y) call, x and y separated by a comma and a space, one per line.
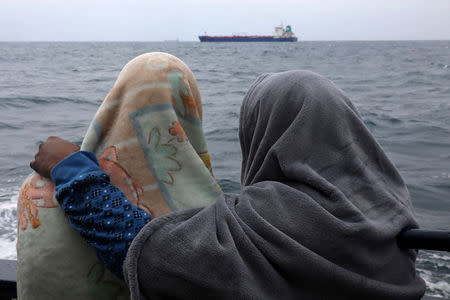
point(103, 79)
point(414, 73)
point(434, 268)
point(28, 101)
point(8, 226)
point(9, 126)
point(223, 134)
point(379, 120)
point(229, 186)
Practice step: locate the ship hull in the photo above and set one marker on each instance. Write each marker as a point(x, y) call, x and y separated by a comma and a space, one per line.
point(205, 38)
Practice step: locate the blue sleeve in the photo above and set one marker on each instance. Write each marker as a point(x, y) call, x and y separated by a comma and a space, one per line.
point(96, 209)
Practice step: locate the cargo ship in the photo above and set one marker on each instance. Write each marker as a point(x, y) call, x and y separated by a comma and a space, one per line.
point(280, 35)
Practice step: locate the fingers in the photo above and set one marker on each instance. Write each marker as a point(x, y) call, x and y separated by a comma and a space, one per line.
point(36, 157)
point(35, 164)
point(50, 153)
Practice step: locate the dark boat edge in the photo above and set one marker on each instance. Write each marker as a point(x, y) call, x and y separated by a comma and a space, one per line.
point(408, 238)
point(8, 278)
point(8, 284)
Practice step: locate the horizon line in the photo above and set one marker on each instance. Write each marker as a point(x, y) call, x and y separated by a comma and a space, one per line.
point(197, 41)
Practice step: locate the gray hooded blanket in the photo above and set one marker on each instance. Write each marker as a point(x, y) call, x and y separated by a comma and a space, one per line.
point(317, 218)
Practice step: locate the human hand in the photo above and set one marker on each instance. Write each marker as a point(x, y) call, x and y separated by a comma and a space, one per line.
point(50, 153)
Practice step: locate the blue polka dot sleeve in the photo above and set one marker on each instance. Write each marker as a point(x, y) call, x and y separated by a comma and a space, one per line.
point(96, 209)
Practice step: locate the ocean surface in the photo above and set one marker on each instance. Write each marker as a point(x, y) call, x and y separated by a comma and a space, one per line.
point(402, 90)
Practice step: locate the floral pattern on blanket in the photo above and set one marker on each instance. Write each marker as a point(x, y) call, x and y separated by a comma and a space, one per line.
point(178, 131)
point(36, 192)
point(163, 157)
point(119, 177)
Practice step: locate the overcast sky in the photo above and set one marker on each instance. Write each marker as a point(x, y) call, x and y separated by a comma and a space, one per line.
point(150, 20)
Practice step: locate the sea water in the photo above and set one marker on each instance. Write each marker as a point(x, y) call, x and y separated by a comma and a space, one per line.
point(401, 88)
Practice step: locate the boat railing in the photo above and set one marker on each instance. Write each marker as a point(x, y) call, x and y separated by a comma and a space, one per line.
point(438, 240)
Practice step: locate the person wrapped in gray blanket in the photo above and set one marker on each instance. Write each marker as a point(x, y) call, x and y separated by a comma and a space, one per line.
point(317, 217)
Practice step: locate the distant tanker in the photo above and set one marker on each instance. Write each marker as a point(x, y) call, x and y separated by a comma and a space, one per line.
point(280, 35)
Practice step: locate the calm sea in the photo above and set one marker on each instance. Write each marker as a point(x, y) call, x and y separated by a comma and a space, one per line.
point(402, 90)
